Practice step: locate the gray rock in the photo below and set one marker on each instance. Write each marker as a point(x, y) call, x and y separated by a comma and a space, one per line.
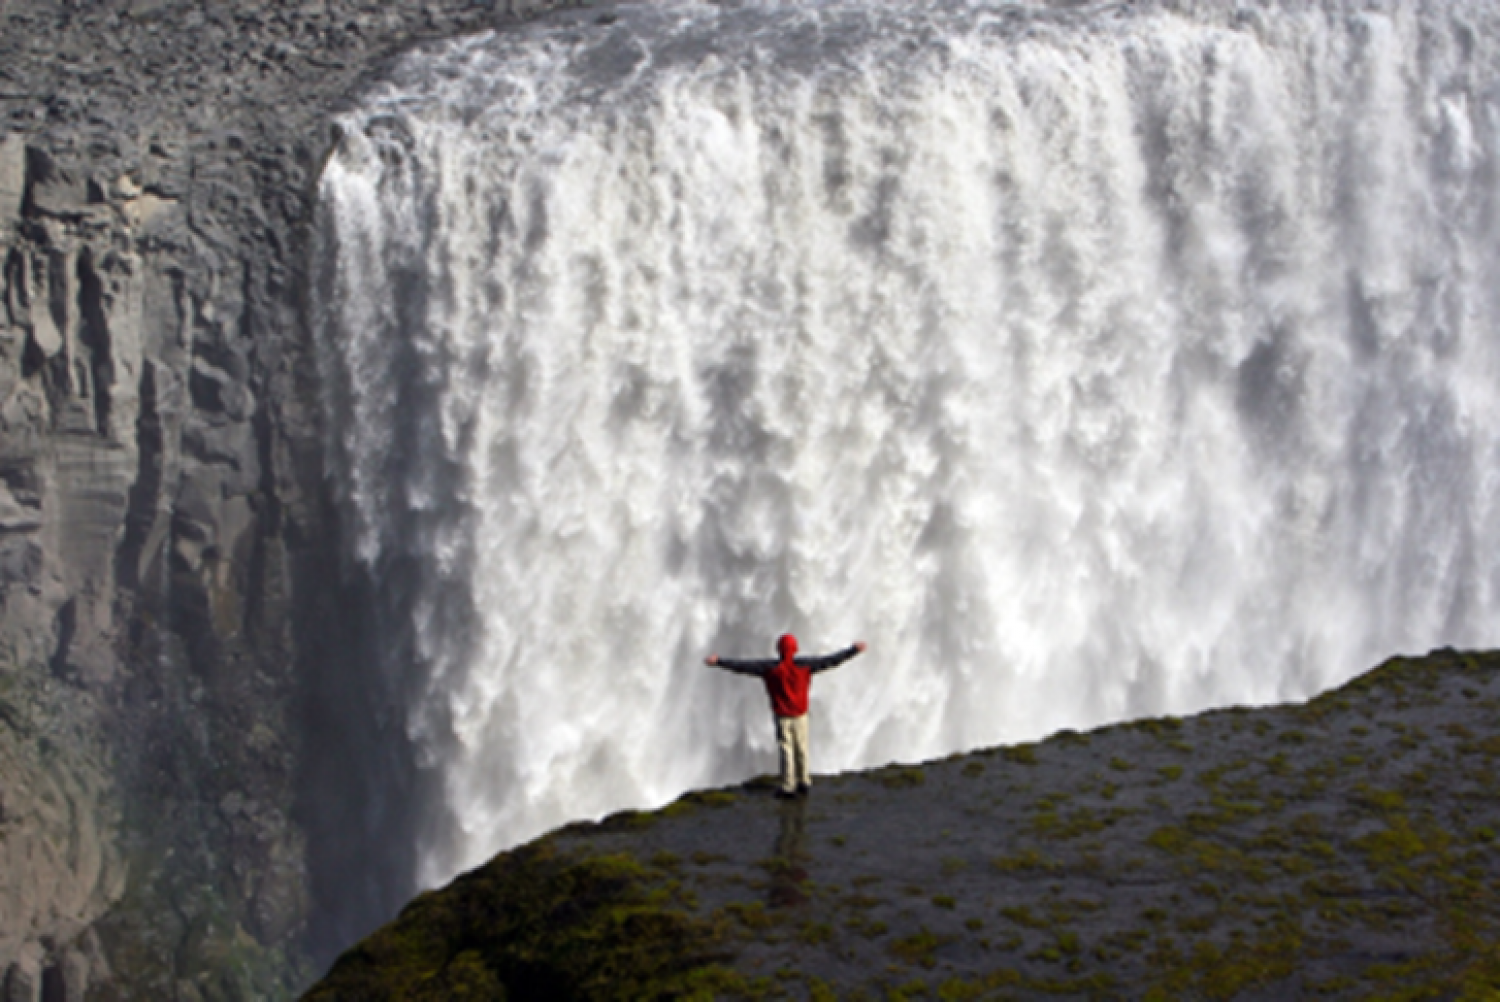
point(12, 181)
point(15, 516)
point(34, 302)
point(23, 979)
point(73, 974)
point(53, 190)
point(168, 573)
point(20, 562)
point(217, 393)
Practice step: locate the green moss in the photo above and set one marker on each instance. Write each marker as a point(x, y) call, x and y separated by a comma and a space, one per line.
point(717, 799)
point(1160, 727)
point(1021, 754)
point(537, 923)
point(912, 989)
point(1212, 972)
point(1027, 860)
point(815, 933)
point(465, 977)
point(902, 777)
point(1397, 843)
point(752, 915)
point(959, 990)
point(918, 948)
point(819, 990)
point(627, 821)
point(1022, 915)
point(1380, 800)
point(1169, 838)
point(1051, 824)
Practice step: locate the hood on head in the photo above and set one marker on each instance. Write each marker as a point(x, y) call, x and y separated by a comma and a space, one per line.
point(786, 645)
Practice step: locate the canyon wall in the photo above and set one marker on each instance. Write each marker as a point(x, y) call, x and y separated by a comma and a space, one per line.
point(171, 619)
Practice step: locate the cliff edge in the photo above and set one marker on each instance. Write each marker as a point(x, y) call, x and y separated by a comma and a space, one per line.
point(1342, 848)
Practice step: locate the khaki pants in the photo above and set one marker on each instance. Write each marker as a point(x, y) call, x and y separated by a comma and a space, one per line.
point(791, 742)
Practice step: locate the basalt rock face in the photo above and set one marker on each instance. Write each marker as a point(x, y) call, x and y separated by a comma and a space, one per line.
point(169, 599)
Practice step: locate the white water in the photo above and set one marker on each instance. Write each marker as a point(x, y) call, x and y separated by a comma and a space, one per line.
point(1088, 365)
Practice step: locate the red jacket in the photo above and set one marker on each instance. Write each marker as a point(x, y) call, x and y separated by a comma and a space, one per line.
point(787, 682)
point(789, 678)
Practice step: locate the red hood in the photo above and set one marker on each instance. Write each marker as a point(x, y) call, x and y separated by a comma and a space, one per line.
point(786, 646)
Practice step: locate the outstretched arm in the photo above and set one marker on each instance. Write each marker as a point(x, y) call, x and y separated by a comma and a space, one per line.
point(756, 668)
point(827, 661)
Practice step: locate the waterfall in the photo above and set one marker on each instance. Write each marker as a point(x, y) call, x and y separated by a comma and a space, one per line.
point(1089, 361)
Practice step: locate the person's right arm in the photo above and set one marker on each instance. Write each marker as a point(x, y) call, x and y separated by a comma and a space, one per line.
point(757, 668)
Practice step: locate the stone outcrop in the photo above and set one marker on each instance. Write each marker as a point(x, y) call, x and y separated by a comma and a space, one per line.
point(170, 610)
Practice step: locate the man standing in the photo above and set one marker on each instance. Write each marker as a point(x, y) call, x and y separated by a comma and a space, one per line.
point(788, 680)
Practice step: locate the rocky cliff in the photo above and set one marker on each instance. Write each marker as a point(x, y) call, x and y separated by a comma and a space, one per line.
point(171, 621)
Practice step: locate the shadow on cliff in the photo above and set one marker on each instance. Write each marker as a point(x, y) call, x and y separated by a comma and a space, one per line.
point(362, 797)
point(363, 800)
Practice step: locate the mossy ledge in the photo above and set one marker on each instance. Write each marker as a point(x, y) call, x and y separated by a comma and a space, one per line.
point(535, 923)
point(1347, 847)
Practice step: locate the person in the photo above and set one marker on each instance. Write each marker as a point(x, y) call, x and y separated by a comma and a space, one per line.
point(788, 679)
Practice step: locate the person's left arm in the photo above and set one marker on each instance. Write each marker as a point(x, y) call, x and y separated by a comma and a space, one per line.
point(827, 661)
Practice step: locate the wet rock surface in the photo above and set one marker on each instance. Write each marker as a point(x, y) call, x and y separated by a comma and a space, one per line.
point(169, 603)
point(1344, 848)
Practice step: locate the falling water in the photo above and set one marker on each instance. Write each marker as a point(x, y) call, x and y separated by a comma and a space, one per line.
point(1088, 361)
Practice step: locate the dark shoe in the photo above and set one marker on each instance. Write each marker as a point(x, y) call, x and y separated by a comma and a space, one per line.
point(804, 789)
point(786, 795)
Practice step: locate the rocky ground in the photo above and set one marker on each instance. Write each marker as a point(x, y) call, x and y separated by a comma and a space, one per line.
point(1344, 848)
